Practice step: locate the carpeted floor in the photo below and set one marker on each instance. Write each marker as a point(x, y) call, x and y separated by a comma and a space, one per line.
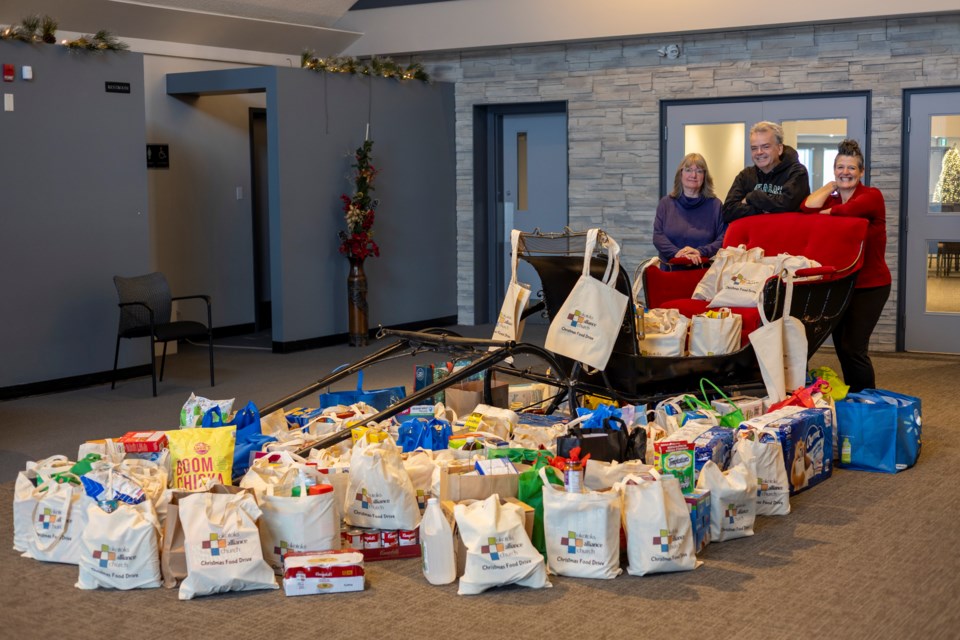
point(861, 556)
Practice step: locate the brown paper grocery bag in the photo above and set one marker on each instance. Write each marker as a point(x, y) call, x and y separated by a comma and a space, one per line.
point(173, 559)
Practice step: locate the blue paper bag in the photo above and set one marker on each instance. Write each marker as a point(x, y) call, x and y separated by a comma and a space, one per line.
point(379, 399)
point(878, 430)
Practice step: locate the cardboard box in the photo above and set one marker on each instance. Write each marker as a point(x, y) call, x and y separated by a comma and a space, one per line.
point(750, 406)
point(144, 441)
point(464, 397)
point(310, 572)
point(448, 505)
point(807, 441)
point(456, 486)
point(698, 502)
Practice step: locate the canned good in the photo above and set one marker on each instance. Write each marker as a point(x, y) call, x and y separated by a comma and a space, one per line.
point(389, 539)
point(352, 538)
point(409, 538)
point(371, 538)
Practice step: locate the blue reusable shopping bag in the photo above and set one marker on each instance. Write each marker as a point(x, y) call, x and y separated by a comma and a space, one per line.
point(249, 437)
point(419, 433)
point(379, 399)
point(878, 431)
point(909, 420)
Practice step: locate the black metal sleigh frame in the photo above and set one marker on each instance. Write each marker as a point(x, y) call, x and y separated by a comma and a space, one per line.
point(818, 301)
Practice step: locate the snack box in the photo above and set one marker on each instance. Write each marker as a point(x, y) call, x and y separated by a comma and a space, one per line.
point(144, 441)
point(676, 457)
point(310, 572)
point(711, 443)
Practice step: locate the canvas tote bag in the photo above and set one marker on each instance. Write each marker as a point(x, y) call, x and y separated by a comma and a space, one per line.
point(587, 324)
point(657, 524)
point(509, 325)
point(781, 349)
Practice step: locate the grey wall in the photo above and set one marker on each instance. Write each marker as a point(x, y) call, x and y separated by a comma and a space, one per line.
point(73, 209)
point(200, 235)
point(314, 123)
point(613, 89)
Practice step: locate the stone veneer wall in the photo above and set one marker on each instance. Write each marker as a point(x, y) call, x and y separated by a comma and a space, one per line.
point(614, 87)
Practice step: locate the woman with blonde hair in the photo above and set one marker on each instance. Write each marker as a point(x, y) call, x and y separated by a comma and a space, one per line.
point(688, 223)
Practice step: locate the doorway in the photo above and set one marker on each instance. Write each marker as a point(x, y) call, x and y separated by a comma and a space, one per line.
point(259, 186)
point(930, 223)
point(521, 182)
point(720, 131)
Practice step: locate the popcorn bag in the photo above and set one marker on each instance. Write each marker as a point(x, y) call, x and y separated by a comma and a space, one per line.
point(201, 456)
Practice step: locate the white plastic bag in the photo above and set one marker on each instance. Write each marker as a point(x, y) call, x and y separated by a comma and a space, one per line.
point(582, 531)
point(193, 409)
point(733, 500)
point(121, 550)
point(222, 545)
point(297, 523)
point(380, 494)
point(499, 551)
point(762, 455)
point(657, 524)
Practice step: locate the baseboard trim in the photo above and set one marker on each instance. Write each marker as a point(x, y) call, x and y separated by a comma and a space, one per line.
point(73, 382)
point(340, 338)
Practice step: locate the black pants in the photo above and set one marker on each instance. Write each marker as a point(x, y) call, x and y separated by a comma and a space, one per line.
point(851, 338)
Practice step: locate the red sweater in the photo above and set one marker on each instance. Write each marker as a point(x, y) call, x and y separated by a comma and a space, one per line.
point(866, 202)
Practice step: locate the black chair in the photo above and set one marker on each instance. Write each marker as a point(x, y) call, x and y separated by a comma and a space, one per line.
point(145, 308)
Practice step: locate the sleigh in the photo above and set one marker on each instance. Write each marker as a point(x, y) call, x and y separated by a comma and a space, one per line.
point(820, 297)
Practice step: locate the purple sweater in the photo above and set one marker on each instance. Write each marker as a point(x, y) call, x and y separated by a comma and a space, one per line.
point(681, 222)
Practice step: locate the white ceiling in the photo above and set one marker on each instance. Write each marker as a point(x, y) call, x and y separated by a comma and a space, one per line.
point(314, 13)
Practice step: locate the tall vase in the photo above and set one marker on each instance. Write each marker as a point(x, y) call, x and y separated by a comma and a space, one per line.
point(357, 303)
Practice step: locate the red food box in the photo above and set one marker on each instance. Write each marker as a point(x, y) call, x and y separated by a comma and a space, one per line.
point(309, 572)
point(144, 441)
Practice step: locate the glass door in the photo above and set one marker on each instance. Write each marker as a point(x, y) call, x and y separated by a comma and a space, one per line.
point(931, 280)
point(720, 131)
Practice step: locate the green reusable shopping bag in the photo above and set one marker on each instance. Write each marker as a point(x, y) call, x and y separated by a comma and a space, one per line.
point(530, 491)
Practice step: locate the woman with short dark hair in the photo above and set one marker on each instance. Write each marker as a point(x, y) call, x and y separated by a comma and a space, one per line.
point(846, 195)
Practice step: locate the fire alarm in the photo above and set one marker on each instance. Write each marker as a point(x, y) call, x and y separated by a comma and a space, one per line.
point(9, 73)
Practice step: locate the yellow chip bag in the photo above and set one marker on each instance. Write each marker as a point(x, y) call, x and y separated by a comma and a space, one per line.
point(200, 455)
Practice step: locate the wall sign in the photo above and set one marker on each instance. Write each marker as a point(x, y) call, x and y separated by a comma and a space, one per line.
point(158, 156)
point(117, 87)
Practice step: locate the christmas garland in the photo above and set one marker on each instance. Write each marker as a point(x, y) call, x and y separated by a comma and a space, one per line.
point(37, 29)
point(381, 67)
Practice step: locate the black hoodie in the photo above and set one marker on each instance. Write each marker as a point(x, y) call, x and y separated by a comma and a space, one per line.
point(783, 189)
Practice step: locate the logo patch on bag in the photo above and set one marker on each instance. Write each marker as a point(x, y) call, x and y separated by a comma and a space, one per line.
point(731, 512)
point(579, 318)
point(663, 540)
point(215, 544)
point(422, 498)
point(104, 556)
point(48, 517)
point(571, 542)
point(202, 448)
point(493, 548)
point(364, 498)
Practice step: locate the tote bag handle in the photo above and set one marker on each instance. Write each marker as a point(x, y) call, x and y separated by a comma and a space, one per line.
point(787, 299)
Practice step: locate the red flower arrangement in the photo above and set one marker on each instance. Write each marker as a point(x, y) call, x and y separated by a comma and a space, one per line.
point(359, 209)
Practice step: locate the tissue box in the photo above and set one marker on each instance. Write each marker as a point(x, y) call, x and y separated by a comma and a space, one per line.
point(807, 441)
point(698, 502)
point(309, 572)
point(750, 406)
